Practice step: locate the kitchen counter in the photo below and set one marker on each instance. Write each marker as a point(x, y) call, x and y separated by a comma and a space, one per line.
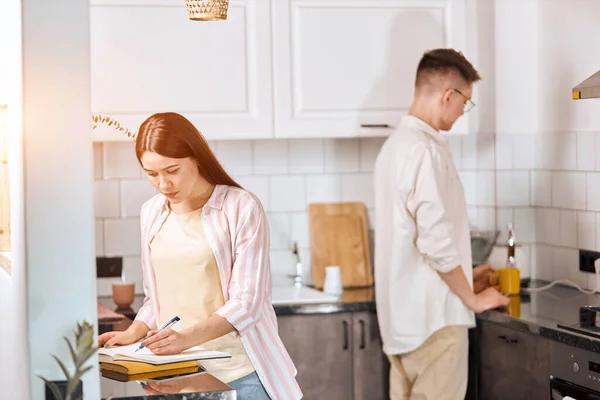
point(541, 313)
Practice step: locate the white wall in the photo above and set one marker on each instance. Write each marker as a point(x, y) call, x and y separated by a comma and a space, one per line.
point(14, 365)
point(547, 169)
point(58, 190)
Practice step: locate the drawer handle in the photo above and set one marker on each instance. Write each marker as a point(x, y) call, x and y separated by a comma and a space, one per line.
point(345, 324)
point(362, 334)
point(508, 340)
point(375, 126)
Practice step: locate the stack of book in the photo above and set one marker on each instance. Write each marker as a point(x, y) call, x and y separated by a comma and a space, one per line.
point(123, 363)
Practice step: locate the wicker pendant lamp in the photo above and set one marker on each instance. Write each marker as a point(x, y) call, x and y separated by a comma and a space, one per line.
point(207, 10)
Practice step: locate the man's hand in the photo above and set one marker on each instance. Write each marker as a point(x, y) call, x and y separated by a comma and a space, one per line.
point(481, 277)
point(489, 299)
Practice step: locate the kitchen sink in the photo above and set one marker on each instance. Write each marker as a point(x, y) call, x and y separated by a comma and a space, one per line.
point(291, 295)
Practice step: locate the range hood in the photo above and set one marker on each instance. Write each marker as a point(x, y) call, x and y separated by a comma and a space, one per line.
point(588, 89)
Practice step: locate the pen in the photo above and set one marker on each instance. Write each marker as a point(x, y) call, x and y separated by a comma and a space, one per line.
point(165, 326)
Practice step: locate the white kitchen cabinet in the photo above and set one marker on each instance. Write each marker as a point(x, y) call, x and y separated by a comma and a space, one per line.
point(146, 57)
point(346, 68)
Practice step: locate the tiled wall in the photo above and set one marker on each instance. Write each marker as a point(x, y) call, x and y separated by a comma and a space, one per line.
point(549, 184)
point(286, 175)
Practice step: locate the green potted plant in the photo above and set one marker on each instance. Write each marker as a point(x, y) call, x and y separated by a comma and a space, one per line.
point(80, 351)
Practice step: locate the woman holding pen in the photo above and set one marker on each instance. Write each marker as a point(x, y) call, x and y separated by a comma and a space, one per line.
point(205, 259)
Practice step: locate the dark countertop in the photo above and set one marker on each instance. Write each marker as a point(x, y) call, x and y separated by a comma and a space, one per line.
point(541, 313)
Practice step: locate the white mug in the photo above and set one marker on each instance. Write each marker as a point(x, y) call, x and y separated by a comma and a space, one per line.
point(333, 280)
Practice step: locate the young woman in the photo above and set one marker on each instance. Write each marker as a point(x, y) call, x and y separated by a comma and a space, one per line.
point(205, 258)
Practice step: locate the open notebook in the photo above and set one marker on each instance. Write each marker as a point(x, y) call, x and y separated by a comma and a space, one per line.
point(128, 353)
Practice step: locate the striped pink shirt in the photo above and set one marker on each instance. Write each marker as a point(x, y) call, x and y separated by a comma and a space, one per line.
point(238, 233)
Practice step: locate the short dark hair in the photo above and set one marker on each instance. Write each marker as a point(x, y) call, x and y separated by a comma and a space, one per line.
point(443, 61)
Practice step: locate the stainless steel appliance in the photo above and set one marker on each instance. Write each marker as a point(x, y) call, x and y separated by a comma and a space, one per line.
point(575, 374)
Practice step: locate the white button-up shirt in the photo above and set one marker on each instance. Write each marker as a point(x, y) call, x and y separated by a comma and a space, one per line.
point(421, 228)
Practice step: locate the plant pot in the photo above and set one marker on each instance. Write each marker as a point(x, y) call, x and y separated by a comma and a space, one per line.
point(62, 387)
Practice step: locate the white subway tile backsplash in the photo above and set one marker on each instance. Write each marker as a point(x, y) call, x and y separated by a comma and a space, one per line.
point(566, 152)
point(132, 272)
point(548, 226)
point(586, 230)
point(486, 181)
point(299, 229)
point(542, 183)
point(512, 188)
point(504, 217)
point(369, 149)
point(306, 156)
point(542, 262)
point(486, 218)
point(106, 198)
point(568, 228)
point(358, 187)
point(323, 189)
point(134, 193)
point(341, 155)
point(288, 193)
point(282, 265)
point(236, 157)
point(119, 161)
point(586, 151)
point(469, 183)
point(566, 190)
point(122, 237)
point(566, 266)
point(455, 143)
point(99, 232)
point(524, 225)
point(593, 191)
point(279, 224)
point(486, 155)
point(523, 151)
point(504, 152)
point(469, 152)
point(271, 157)
point(541, 188)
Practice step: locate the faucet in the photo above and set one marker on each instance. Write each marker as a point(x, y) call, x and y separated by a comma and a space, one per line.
point(298, 276)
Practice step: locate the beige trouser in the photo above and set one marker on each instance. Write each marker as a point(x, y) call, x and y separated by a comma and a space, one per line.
point(437, 370)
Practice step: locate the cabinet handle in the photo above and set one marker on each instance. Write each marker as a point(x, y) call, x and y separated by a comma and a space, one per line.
point(375, 126)
point(345, 324)
point(362, 334)
point(508, 340)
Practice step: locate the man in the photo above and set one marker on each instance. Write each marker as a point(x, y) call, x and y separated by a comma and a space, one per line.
point(423, 269)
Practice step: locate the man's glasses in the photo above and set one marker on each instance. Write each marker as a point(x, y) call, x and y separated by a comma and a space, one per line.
point(469, 105)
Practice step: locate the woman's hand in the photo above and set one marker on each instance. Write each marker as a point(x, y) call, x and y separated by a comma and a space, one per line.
point(166, 342)
point(135, 332)
point(117, 338)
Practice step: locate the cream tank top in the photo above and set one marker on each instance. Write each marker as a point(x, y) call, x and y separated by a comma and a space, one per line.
point(188, 285)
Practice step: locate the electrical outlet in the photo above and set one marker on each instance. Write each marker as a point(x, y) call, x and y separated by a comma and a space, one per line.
point(109, 267)
point(587, 259)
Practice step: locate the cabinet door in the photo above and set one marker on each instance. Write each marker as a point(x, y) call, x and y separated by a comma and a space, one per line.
point(147, 56)
point(371, 366)
point(346, 68)
point(512, 365)
point(321, 348)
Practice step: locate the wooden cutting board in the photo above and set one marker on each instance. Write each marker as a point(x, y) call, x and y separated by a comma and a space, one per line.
point(339, 236)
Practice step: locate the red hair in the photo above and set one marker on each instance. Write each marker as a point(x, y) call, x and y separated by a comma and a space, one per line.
point(172, 135)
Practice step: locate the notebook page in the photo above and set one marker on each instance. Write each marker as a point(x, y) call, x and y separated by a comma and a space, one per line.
point(145, 355)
